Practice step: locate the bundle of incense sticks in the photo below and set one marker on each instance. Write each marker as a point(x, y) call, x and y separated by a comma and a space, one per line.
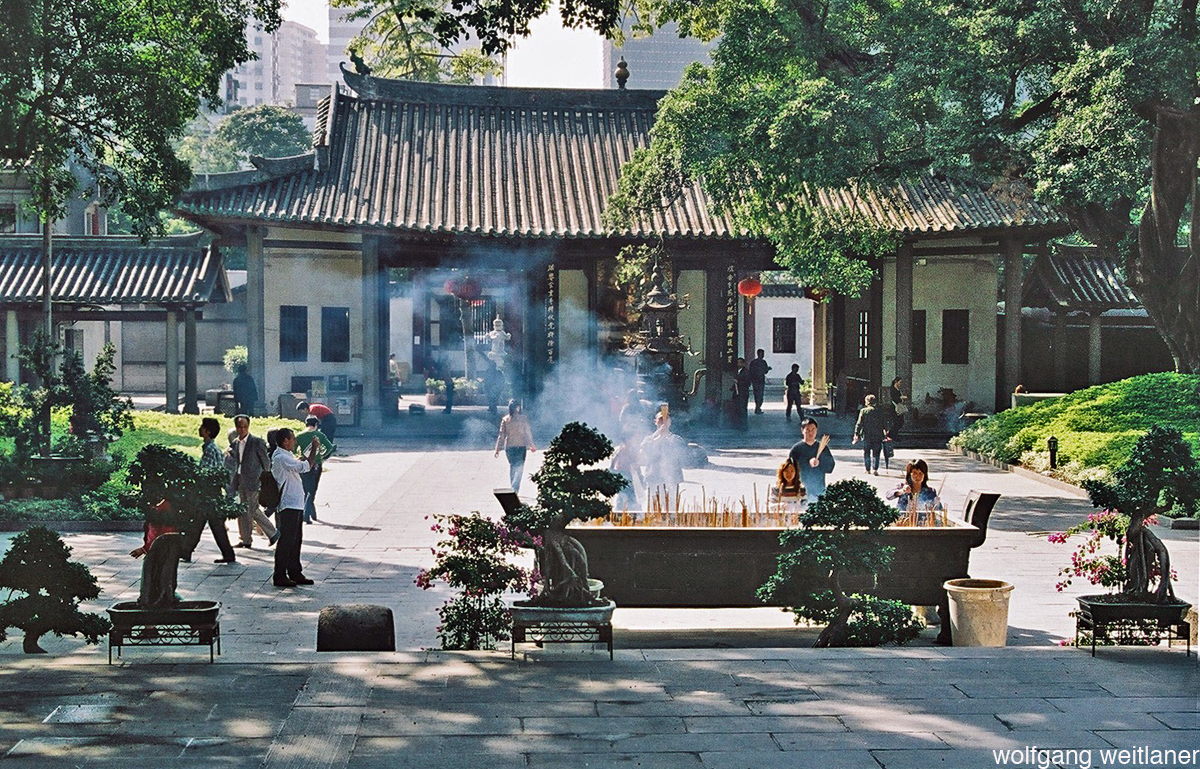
point(822, 444)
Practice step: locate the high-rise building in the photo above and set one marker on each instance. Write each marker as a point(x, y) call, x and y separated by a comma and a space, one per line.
point(289, 56)
point(655, 62)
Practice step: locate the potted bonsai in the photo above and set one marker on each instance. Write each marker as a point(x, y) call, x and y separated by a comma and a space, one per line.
point(1161, 475)
point(50, 586)
point(823, 543)
point(567, 492)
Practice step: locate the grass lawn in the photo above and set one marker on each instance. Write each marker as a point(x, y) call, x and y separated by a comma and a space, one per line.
point(1096, 427)
point(179, 431)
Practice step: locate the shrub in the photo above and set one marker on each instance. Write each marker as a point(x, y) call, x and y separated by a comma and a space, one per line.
point(822, 544)
point(474, 559)
point(38, 565)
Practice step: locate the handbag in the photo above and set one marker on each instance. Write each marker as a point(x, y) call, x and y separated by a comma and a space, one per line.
point(887, 448)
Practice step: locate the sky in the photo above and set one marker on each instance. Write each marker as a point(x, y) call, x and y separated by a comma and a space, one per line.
point(550, 57)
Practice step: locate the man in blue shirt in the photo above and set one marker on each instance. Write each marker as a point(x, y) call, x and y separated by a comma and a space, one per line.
point(814, 463)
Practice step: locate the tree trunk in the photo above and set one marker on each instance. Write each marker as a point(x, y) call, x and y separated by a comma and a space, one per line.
point(1163, 275)
point(835, 634)
point(30, 644)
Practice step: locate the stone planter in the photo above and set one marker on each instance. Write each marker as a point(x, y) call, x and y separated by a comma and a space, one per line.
point(194, 613)
point(1105, 610)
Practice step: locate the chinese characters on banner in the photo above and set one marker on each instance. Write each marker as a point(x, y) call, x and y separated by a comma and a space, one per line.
point(731, 306)
point(551, 313)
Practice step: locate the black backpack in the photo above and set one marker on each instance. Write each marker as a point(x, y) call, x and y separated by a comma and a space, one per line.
point(269, 493)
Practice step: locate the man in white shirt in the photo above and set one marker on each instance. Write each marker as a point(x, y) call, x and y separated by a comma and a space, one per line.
point(287, 467)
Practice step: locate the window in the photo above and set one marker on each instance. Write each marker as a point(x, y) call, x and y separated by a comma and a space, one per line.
point(335, 334)
point(258, 86)
point(918, 336)
point(864, 334)
point(8, 218)
point(956, 326)
point(783, 335)
point(293, 333)
point(445, 325)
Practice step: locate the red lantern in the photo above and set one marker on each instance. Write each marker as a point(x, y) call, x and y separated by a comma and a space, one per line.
point(451, 286)
point(749, 287)
point(469, 290)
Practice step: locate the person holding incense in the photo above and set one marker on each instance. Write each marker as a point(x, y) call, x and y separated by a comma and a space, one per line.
point(814, 459)
point(916, 501)
point(662, 455)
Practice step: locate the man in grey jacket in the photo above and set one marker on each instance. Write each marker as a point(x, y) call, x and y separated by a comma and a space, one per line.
point(249, 460)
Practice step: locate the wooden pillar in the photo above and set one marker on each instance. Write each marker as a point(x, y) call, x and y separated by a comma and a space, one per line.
point(256, 319)
point(720, 332)
point(372, 412)
point(190, 395)
point(1058, 345)
point(172, 362)
point(1095, 335)
point(820, 359)
point(904, 312)
point(1013, 275)
point(12, 345)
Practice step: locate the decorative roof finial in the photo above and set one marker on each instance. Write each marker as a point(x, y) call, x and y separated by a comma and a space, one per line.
point(360, 66)
point(622, 73)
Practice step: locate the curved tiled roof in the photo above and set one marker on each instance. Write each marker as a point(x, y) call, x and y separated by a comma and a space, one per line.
point(112, 270)
point(1077, 278)
point(524, 162)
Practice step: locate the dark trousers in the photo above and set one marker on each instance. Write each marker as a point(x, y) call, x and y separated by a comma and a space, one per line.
point(759, 387)
point(740, 404)
point(310, 481)
point(329, 426)
point(793, 399)
point(220, 536)
point(287, 550)
point(871, 450)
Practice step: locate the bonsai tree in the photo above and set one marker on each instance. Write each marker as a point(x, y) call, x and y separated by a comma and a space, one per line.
point(822, 543)
point(193, 494)
point(1160, 475)
point(567, 492)
point(50, 586)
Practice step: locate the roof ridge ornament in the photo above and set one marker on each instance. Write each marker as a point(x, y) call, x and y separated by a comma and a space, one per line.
point(622, 73)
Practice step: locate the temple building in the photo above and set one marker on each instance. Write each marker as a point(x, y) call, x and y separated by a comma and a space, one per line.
point(416, 192)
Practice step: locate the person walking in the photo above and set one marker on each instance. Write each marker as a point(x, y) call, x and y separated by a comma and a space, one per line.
point(329, 422)
point(758, 378)
point(741, 394)
point(662, 455)
point(515, 438)
point(791, 394)
point(815, 462)
point(245, 391)
point(249, 458)
point(288, 469)
point(871, 431)
point(211, 457)
point(312, 479)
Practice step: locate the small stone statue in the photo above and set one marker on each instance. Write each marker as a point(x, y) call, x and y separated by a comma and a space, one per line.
point(498, 338)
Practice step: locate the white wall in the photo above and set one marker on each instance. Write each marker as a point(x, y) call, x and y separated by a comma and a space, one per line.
point(691, 322)
point(766, 309)
point(573, 315)
point(313, 277)
point(948, 283)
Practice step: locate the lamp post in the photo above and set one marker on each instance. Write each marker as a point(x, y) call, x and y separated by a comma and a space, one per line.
point(1052, 444)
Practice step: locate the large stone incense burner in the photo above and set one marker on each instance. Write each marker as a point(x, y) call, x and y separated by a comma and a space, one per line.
point(686, 561)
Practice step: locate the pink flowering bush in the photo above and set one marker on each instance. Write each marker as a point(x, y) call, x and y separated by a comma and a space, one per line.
point(475, 558)
point(1092, 559)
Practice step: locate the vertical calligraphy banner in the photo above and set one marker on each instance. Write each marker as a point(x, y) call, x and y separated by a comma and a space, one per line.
point(731, 307)
point(551, 313)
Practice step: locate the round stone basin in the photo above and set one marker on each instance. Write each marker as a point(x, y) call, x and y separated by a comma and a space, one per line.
point(130, 613)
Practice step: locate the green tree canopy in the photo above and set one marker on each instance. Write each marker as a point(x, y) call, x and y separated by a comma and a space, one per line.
point(111, 83)
point(1088, 104)
point(264, 131)
point(412, 39)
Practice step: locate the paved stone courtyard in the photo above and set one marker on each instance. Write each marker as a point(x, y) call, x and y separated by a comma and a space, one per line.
point(721, 688)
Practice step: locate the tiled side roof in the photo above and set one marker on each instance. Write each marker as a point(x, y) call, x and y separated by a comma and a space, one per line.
point(524, 162)
point(939, 204)
point(1077, 278)
point(106, 271)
